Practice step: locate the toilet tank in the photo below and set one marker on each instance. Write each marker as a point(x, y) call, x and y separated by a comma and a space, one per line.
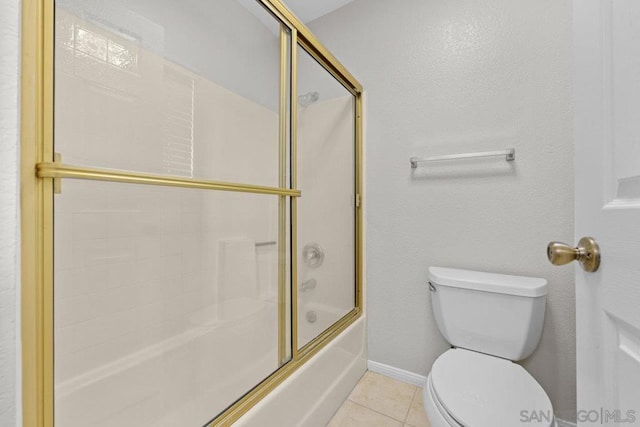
point(496, 314)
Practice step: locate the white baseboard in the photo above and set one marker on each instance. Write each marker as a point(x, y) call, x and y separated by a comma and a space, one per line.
point(397, 373)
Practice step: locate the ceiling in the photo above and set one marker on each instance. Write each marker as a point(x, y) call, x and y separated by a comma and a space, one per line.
point(308, 10)
point(305, 10)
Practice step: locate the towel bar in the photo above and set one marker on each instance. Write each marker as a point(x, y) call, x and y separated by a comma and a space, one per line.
point(509, 154)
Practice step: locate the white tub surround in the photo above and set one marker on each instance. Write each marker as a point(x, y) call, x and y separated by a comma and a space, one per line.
point(311, 396)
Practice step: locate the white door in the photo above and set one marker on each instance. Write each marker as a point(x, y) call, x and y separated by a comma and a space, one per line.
point(607, 143)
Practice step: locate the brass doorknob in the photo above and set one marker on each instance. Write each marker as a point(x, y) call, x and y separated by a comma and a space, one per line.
point(587, 253)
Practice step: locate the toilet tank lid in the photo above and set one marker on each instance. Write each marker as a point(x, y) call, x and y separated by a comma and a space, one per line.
point(488, 282)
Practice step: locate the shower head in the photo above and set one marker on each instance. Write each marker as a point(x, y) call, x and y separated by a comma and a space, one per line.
point(308, 98)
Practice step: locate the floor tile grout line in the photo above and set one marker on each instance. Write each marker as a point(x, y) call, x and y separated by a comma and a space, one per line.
point(377, 412)
point(406, 416)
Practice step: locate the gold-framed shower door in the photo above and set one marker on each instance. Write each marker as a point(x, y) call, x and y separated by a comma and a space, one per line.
point(41, 175)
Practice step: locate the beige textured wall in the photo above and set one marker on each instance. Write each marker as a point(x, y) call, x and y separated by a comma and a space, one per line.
point(9, 208)
point(446, 77)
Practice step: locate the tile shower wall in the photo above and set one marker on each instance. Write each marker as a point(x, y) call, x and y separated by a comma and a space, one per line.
point(127, 271)
point(133, 263)
point(326, 210)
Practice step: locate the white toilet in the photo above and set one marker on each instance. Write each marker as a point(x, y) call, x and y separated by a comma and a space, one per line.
point(490, 320)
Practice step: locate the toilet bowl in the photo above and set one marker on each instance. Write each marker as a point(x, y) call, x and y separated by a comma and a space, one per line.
point(491, 320)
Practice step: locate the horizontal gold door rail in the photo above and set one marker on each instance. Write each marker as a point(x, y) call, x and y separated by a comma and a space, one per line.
point(60, 170)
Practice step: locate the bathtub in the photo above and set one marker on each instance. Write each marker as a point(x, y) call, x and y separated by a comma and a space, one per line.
point(161, 379)
point(311, 396)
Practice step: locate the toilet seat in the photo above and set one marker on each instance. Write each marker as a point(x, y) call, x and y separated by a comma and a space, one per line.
point(478, 390)
point(438, 416)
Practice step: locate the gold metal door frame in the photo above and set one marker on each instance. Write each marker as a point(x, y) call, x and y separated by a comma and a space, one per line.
point(40, 172)
point(285, 43)
point(36, 196)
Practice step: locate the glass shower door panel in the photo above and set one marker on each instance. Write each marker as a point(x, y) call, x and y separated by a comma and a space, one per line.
point(184, 88)
point(326, 210)
point(166, 302)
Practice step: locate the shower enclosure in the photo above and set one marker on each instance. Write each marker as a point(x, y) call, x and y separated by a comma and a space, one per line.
point(195, 226)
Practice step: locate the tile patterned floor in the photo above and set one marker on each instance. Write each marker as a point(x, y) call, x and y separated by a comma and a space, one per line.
point(379, 401)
